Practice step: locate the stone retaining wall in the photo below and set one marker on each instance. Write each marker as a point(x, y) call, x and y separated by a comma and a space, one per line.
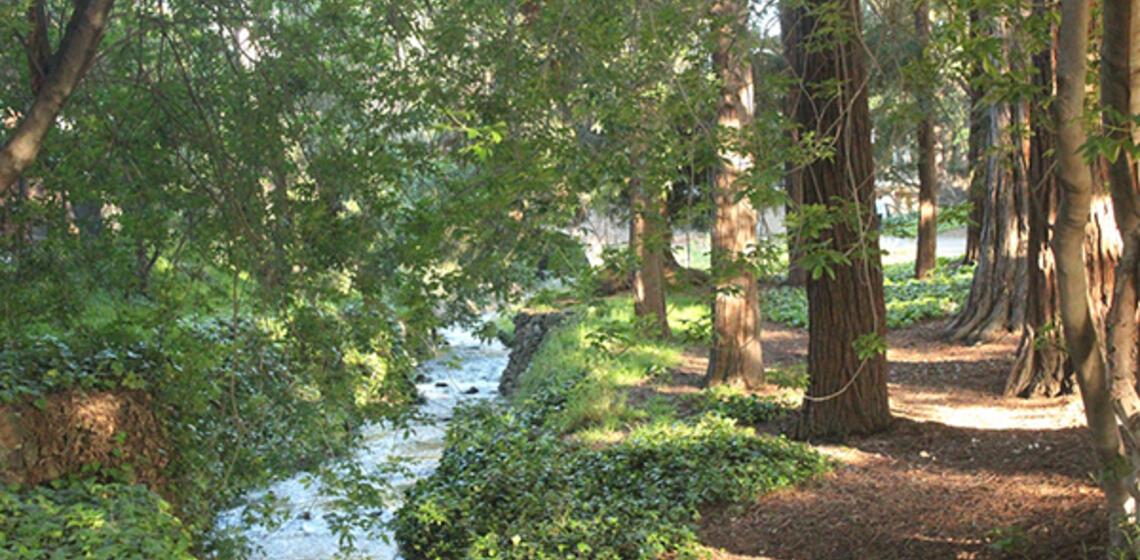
point(531, 329)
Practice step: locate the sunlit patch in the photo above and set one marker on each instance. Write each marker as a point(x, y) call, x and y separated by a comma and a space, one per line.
point(849, 455)
point(992, 414)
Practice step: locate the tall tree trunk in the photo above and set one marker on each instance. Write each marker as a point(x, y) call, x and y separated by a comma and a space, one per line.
point(76, 51)
point(736, 357)
point(1069, 245)
point(927, 254)
point(1040, 369)
point(1120, 96)
point(1120, 92)
point(976, 151)
point(848, 389)
point(793, 181)
point(996, 303)
point(648, 244)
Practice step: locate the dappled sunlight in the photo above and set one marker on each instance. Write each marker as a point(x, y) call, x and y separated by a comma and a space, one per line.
point(848, 455)
point(961, 468)
point(781, 334)
point(884, 507)
point(996, 351)
point(561, 278)
point(989, 414)
point(99, 415)
point(597, 438)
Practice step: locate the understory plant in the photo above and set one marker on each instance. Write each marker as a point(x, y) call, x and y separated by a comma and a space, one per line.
point(513, 484)
point(908, 300)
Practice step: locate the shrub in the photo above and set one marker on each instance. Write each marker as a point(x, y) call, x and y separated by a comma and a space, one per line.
point(86, 519)
point(745, 410)
point(242, 403)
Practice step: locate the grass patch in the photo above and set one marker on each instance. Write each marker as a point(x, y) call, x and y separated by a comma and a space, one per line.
point(599, 354)
point(905, 225)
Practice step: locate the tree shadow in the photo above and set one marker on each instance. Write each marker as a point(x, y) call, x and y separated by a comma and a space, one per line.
point(929, 490)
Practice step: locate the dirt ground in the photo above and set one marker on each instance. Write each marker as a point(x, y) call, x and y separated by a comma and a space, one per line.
point(962, 473)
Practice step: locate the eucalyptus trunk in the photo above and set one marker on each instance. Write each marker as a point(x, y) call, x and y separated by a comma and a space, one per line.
point(1042, 367)
point(736, 357)
point(1069, 245)
point(847, 393)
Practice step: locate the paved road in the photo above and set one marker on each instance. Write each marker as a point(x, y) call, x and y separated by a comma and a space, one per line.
point(950, 244)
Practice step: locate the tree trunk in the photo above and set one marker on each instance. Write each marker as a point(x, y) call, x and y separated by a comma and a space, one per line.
point(1069, 244)
point(647, 243)
point(76, 51)
point(736, 357)
point(1120, 94)
point(1121, 372)
point(996, 304)
point(976, 152)
point(1040, 369)
point(848, 390)
point(926, 257)
point(1120, 91)
point(793, 181)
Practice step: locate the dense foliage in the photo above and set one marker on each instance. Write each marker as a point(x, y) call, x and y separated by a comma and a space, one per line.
point(746, 410)
point(85, 519)
point(505, 490)
point(239, 407)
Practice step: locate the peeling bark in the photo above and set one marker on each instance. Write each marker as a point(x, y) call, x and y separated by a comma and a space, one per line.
point(1077, 315)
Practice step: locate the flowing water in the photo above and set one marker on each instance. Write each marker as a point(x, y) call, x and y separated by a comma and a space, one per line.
point(468, 371)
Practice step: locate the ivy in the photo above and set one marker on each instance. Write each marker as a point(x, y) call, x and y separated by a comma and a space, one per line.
point(87, 519)
point(908, 300)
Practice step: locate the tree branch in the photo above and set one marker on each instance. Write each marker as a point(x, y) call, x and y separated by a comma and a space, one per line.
point(76, 51)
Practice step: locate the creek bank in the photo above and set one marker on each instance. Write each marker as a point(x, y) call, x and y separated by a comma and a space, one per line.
point(467, 370)
point(531, 329)
point(65, 433)
point(575, 465)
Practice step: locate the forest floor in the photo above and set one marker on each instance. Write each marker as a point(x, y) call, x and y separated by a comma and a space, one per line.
point(963, 472)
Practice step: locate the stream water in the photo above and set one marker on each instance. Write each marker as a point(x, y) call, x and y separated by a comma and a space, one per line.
point(467, 371)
